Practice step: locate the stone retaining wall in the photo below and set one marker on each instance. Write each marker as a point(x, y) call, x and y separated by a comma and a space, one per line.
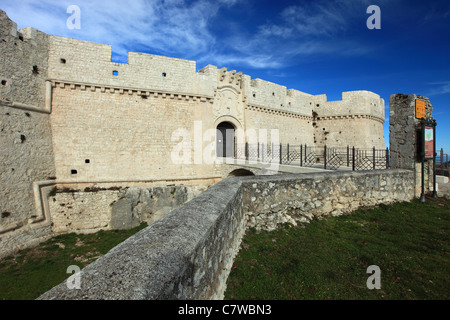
point(188, 254)
point(290, 199)
point(91, 209)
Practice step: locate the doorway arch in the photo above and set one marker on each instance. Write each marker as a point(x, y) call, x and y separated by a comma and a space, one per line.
point(225, 140)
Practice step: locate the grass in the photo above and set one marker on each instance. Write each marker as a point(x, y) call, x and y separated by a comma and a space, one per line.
point(328, 259)
point(30, 273)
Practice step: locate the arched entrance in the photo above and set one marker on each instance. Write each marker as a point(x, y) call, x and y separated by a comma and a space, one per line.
point(225, 141)
point(241, 173)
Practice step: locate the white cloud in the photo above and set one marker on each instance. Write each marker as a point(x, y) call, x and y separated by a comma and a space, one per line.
point(168, 26)
point(316, 19)
point(299, 31)
point(186, 29)
point(442, 88)
point(257, 61)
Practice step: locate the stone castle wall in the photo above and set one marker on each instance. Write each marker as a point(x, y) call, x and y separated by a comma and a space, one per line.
point(68, 113)
point(87, 209)
point(26, 147)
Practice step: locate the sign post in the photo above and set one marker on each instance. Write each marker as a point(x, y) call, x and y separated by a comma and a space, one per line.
point(434, 160)
point(428, 151)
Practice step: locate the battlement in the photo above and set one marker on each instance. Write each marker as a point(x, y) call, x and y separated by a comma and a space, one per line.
point(76, 60)
point(81, 61)
point(364, 103)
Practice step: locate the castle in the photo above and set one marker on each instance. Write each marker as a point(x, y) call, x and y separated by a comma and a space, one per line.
point(70, 117)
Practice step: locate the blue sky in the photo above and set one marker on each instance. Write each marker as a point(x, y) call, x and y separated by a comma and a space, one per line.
point(318, 47)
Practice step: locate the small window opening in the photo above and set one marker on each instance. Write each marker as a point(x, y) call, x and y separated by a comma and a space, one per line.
point(87, 161)
point(273, 93)
point(115, 73)
point(164, 74)
point(35, 70)
point(22, 138)
point(254, 95)
point(5, 214)
point(73, 172)
point(20, 37)
point(4, 82)
point(63, 61)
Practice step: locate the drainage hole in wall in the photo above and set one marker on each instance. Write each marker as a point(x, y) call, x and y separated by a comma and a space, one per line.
point(6, 214)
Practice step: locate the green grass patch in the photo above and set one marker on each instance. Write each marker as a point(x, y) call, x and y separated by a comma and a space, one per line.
point(328, 258)
point(32, 272)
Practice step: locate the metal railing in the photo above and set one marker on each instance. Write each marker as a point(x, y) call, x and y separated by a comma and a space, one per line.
point(331, 158)
point(442, 164)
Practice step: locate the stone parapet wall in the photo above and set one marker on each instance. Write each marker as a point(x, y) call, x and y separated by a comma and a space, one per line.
point(189, 253)
point(292, 199)
point(82, 61)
